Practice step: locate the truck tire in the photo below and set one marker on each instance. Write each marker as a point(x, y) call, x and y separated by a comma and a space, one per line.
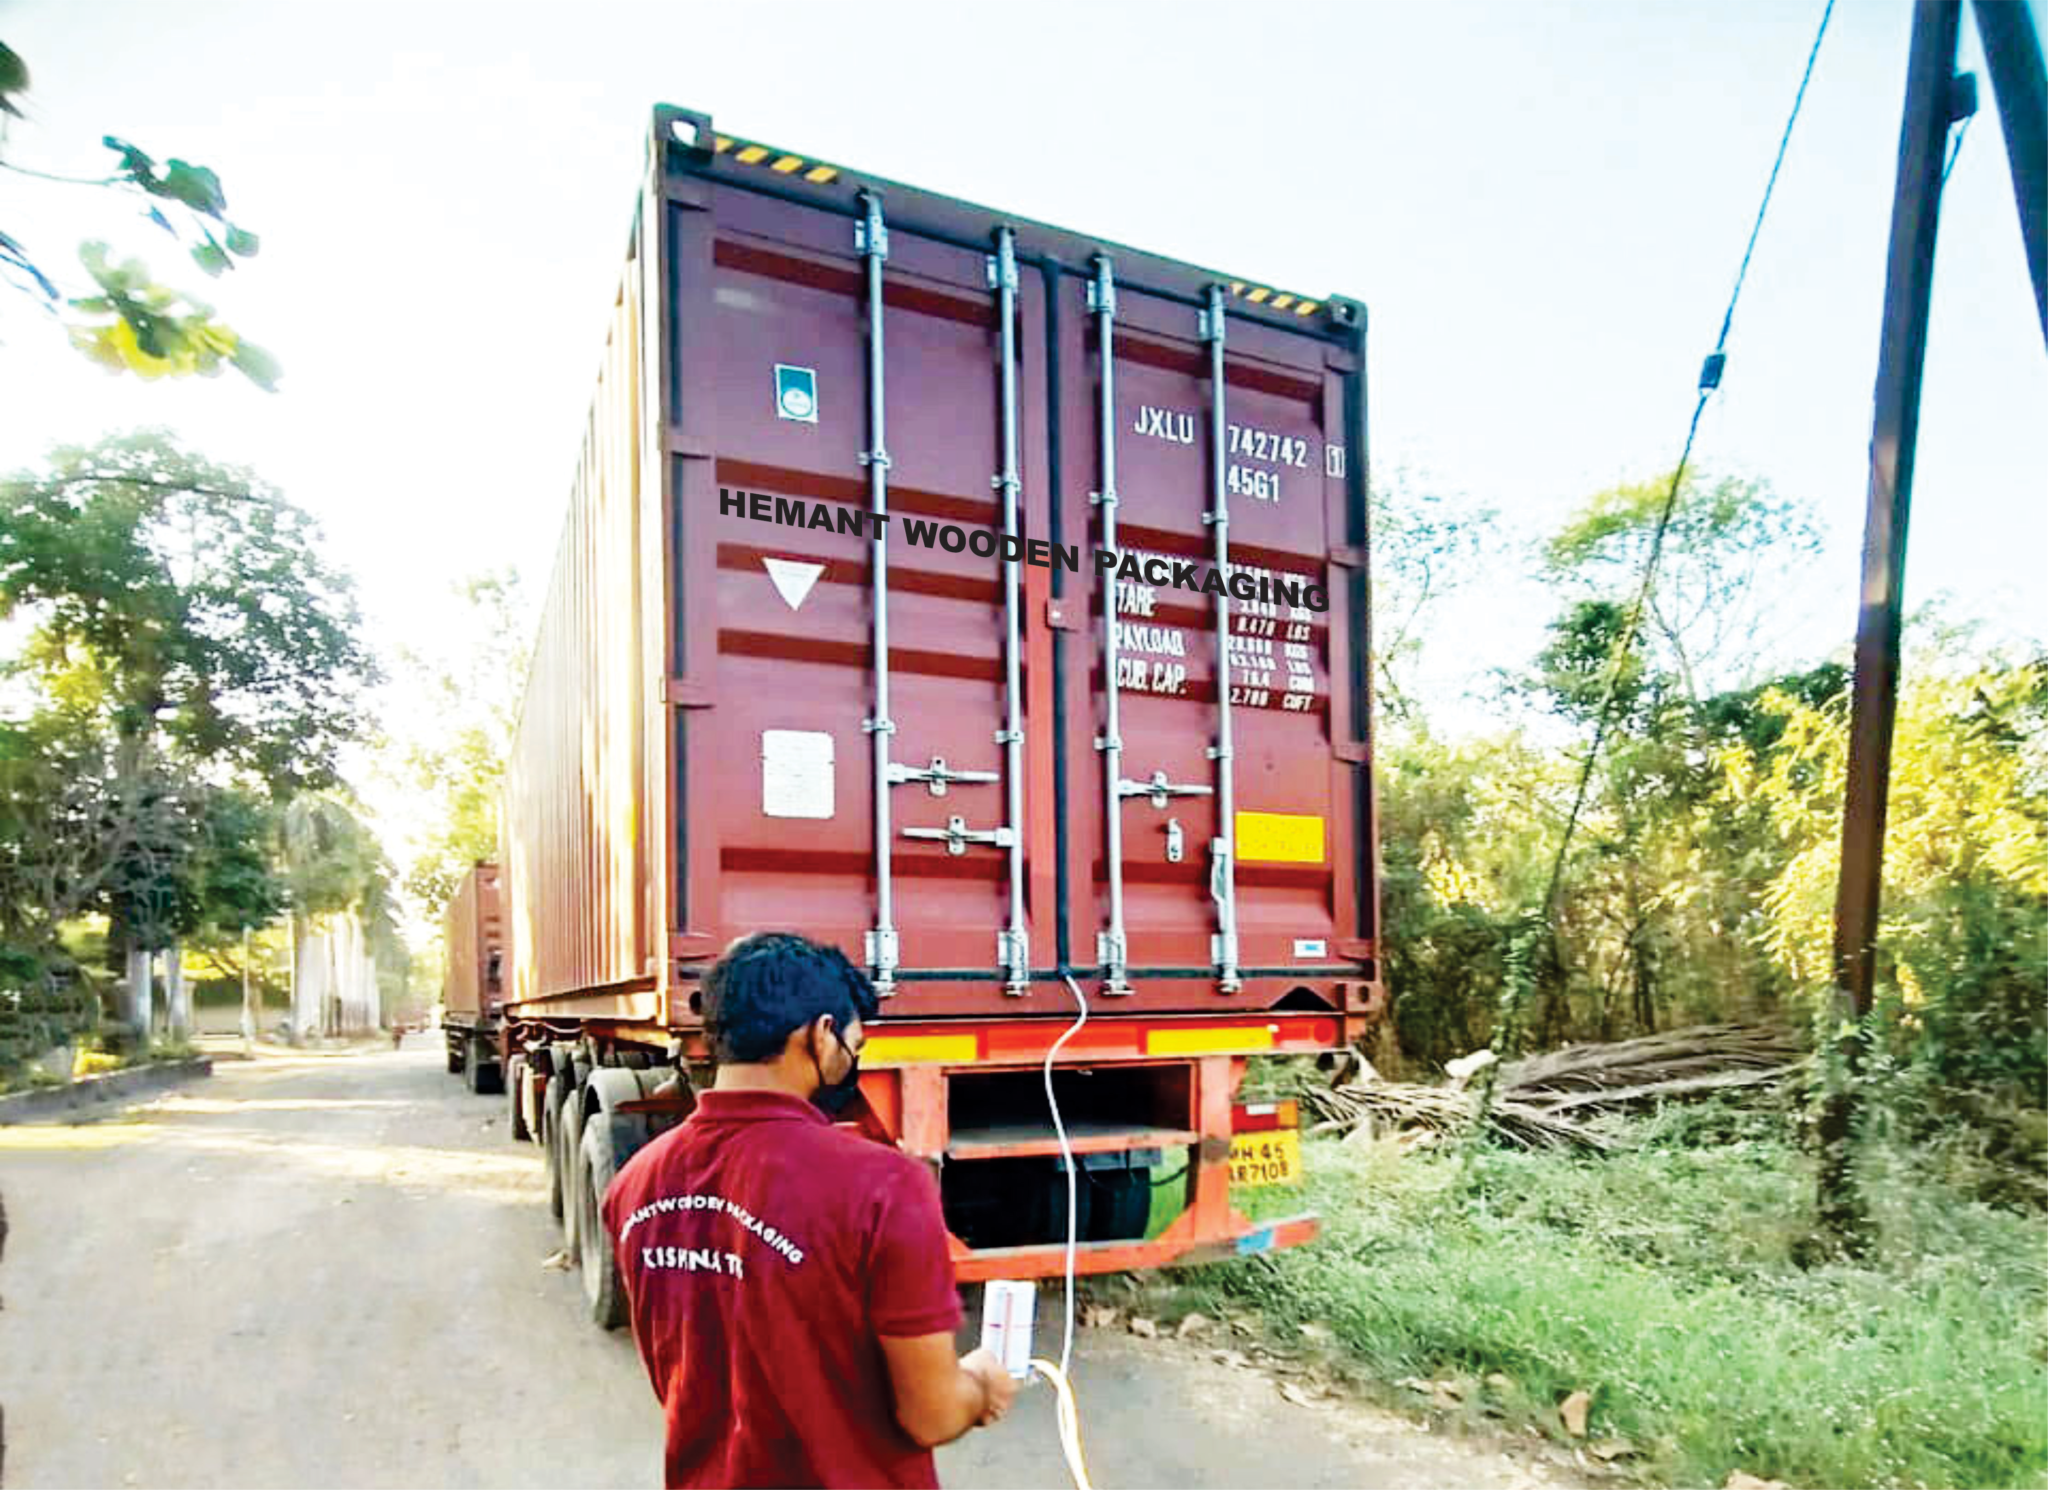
point(569, 1141)
point(517, 1082)
point(486, 1076)
point(597, 1164)
point(553, 1100)
point(455, 1049)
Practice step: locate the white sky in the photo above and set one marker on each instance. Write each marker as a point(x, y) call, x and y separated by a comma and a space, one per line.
point(1542, 204)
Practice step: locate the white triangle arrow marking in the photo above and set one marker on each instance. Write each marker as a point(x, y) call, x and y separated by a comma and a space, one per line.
point(793, 580)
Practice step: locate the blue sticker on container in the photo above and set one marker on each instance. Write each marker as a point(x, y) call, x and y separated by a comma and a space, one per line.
point(1255, 1241)
point(796, 393)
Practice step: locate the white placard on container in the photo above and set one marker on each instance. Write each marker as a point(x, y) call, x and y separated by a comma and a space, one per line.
point(796, 773)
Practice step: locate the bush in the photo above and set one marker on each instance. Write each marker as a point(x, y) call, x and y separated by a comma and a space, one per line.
point(1662, 1280)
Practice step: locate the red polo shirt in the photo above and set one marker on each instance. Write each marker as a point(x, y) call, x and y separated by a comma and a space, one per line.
point(764, 1253)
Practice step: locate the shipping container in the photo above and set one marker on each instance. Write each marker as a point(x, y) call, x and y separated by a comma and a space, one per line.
point(988, 600)
point(472, 980)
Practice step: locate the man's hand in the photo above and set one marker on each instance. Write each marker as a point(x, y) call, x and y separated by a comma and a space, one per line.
point(1001, 1387)
point(939, 1395)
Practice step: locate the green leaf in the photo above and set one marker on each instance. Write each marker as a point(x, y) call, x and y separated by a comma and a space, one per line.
point(241, 242)
point(211, 257)
point(133, 161)
point(13, 79)
point(257, 365)
point(195, 186)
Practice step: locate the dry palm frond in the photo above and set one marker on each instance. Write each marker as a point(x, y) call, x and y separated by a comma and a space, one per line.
point(1544, 1101)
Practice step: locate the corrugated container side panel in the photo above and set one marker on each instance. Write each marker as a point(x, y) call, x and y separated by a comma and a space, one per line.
point(490, 937)
point(575, 834)
point(461, 978)
point(652, 487)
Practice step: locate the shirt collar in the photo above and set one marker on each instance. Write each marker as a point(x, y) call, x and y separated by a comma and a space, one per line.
point(755, 1106)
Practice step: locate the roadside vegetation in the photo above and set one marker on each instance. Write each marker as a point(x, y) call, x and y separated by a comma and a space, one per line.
point(1645, 1281)
point(1670, 1282)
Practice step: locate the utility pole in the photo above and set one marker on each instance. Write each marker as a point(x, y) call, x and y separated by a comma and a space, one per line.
point(1935, 98)
point(2012, 55)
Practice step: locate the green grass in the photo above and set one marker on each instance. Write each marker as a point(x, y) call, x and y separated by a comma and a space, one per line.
point(1663, 1281)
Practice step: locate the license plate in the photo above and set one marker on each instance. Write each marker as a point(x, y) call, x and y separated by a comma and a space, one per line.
point(1271, 1158)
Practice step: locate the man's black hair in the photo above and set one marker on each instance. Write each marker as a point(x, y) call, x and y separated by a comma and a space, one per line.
point(772, 984)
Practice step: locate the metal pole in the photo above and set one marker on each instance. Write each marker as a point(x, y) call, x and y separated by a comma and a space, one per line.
point(1113, 949)
point(871, 239)
point(2012, 55)
point(1015, 947)
point(1222, 851)
point(1931, 94)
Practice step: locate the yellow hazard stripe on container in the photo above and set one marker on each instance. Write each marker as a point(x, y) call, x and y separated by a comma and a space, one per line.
point(898, 1050)
point(782, 162)
point(1279, 838)
point(1208, 1042)
point(1273, 299)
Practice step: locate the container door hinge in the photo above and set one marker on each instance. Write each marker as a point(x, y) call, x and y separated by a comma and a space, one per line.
point(870, 237)
point(880, 949)
point(1013, 954)
point(1112, 951)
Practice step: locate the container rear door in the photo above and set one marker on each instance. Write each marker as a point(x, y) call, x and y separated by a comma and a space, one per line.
point(779, 700)
point(771, 390)
point(1268, 901)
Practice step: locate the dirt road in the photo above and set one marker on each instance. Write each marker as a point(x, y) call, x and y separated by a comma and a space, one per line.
point(328, 1270)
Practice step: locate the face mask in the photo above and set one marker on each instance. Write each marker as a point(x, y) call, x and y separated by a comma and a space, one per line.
point(832, 1096)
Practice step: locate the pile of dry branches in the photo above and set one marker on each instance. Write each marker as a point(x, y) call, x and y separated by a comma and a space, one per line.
point(1545, 1101)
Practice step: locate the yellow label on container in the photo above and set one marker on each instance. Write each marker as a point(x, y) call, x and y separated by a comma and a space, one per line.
point(1279, 838)
point(1209, 1041)
point(900, 1050)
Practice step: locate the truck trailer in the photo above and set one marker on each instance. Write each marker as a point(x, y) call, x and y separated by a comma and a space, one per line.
point(988, 600)
point(472, 981)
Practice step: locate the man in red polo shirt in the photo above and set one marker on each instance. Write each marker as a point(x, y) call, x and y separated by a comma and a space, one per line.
point(789, 1284)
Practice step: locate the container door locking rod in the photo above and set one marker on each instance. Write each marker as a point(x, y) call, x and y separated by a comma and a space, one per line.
point(1222, 866)
point(1013, 944)
point(871, 241)
point(1112, 949)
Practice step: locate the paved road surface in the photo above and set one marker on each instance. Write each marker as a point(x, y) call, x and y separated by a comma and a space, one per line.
point(327, 1270)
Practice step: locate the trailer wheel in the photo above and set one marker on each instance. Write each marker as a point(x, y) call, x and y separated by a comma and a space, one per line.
point(597, 1165)
point(569, 1141)
point(554, 1100)
point(516, 1084)
point(486, 1076)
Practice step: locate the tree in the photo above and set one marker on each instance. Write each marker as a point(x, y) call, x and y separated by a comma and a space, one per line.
point(469, 700)
point(333, 864)
point(1726, 566)
point(1425, 546)
point(184, 608)
point(130, 322)
point(196, 599)
point(1963, 946)
point(1657, 887)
